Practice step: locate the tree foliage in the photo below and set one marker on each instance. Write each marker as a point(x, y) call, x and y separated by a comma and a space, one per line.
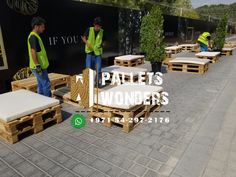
point(152, 35)
point(217, 11)
point(220, 33)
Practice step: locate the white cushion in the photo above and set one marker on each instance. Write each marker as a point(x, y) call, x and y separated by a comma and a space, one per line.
point(188, 45)
point(207, 54)
point(20, 103)
point(129, 57)
point(123, 69)
point(173, 48)
point(189, 60)
point(124, 90)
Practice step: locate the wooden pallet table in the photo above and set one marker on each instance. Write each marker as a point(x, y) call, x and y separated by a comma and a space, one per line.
point(189, 65)
point(189, 47)
point(212, 56)
point(227, 51)
point(174, 49)
point(128, 116)
point(129, 60)
point(57, 80)
point(19, 115)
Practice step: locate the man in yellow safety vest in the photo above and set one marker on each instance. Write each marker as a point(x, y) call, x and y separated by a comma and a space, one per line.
point(38, 60)
point(204, 41)
point(93, 39)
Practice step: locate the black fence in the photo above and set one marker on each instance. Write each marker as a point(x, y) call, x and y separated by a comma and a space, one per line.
point(66, 21)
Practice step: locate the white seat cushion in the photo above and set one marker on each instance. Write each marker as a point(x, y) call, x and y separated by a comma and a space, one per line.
point(189, 60)
point(129, 57)
point(14, 105)
point(207, 54)
point(124, 91)
point(123, 69)
point(188, 45)
point(173, 48)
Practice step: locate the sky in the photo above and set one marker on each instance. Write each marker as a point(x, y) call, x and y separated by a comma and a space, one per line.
point(198, 3)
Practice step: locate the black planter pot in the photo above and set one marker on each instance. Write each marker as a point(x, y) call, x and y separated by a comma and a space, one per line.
point(156, 66)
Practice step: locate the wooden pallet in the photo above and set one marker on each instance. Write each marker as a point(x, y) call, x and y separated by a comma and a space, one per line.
point(127, 119)
point(129, 63)
point(213, 59)
point(173, 50)
point(35, 122)
point(227, 52)
point(189, 68)
point(189, 47)
point(57, 80)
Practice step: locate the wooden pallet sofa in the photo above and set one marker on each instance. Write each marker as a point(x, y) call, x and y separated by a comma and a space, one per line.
point(57, 80)
point(212, 56)
point(128, 114)
point(23, 111)
point(189, 65)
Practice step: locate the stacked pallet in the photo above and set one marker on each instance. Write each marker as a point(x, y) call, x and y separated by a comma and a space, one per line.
point(189, 65)
point(167, 57)
point(189, 47)
point(129, 60)
point(212, 56)
point(20, 115)
point(227, 51)
point(57, 80)
point(128, 114)
point(174, 49)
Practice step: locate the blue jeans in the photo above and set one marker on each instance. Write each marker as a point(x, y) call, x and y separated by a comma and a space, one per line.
point(44, 85)
point(203, 47)
point(92, 61)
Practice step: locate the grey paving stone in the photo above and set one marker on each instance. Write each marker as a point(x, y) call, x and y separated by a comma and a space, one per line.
point(114, 171)
point(155, 165)
point(9, 173)
point(126, 164)
point(35, 158)
point(159, 156)
point(26, 169)
point(126, 174)
point(97, 174)
point(151, 173)
point(55, 170)
point(4, 151)
point(71, 163)
point(69, 149)
point(45, 164)
point(52, 153)
point(13, 159)
point(143, 160)
point(101, 165)
point(87, 158)
point(62, 158)
point(83, 170)
point(64, 174)
point(137, 169)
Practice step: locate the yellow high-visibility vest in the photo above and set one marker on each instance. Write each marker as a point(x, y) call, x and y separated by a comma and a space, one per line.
point(96, 43)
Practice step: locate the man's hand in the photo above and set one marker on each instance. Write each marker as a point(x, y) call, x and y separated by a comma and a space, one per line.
point(86, 42)
point(39, 70)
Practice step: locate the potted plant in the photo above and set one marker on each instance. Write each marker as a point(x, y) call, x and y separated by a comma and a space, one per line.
point(220, 34)
point(152, 38)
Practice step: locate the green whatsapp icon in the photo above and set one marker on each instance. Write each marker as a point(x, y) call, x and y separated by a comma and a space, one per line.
point(78, 121)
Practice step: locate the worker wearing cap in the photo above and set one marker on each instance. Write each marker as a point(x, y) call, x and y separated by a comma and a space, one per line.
point(93, 38)
point(204, 41)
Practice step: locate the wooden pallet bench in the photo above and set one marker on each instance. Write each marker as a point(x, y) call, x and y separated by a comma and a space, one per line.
point(189, 65)
point(129, 60)
point(126, 116)
point(212, 56)
point(57, 80)
point(189, 47)
point(174, 49)
point(227, 51)
point(19, 115)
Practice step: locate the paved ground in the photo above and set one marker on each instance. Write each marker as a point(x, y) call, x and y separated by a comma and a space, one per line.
point(199, 141)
